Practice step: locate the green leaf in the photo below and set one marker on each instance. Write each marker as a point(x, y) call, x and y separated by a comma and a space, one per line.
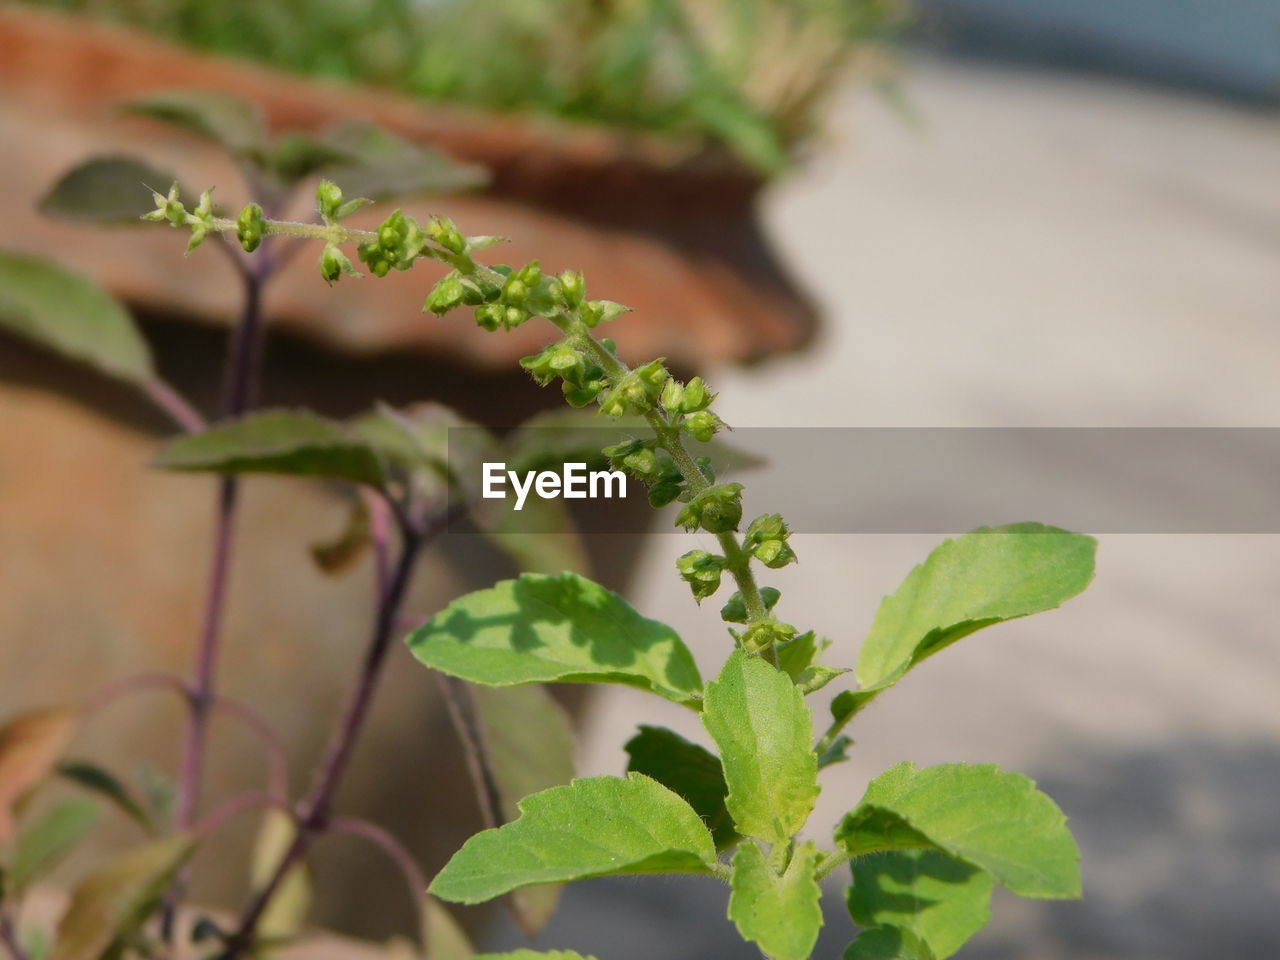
point(294, 157)
point(110, 905)
point(91, 777)
point(537, 629)
point(442, 937)
point(941, 900)
point(113, 189)
point(294, 442)
point(759, 720)
point(388, 166)
point(528, 747)
point(213, 114)
point(285, 915)
point(779, 913)
point(597, 827)
point(888, 943)
point(686, 769)
point(40, 847)
point(526, 954)
point(68, 313)
point(988, 576)
point(996, 821)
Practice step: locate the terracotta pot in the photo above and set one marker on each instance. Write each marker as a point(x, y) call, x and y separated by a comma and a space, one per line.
point(666, 228)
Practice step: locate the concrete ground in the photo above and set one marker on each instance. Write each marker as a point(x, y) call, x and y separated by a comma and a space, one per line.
point(1038, 251)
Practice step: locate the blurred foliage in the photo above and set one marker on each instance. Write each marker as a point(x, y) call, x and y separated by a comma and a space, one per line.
point(743, 73)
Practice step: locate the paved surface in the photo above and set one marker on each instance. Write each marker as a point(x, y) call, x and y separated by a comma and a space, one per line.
point(1041, 251)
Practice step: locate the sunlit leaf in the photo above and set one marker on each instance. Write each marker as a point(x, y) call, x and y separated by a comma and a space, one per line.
point(538, 629)
point(759, 720)
point(778, 912)
point(597, 827)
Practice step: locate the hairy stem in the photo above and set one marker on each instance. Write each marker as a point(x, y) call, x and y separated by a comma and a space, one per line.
point(316, 810)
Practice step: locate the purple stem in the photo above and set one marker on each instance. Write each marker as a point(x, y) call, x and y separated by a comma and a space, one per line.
point(228, 810)
point(243, 366)
point(392, 847)
point(164, 396)
point(10, 940)
point(315, 812)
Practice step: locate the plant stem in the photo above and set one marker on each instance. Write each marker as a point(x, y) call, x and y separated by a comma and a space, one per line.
point(9, 938)
point(243, 363)
point(414, 879)
point(316, 810)
point(164, 396)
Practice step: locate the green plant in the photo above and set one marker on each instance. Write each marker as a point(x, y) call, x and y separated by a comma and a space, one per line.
point(743, 73)
point(925, 846)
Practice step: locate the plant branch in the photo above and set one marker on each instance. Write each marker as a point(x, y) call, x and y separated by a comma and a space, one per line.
point(174, 405)
point(9, 937)
point(315, 812)
point(229, 809)
point(393, 848)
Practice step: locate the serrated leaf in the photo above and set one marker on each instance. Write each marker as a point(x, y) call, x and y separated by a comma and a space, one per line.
point(526, 954)
point(285, 915)
point(112, 903)
point(597, 827)
point(294, 442)
point(941, 900)
point(68, 313)
point(687, 769)
point(888, 943)
point(387, 166)
point(988, 576)
point(31, 744)
point(778, 913)
point(996, 821)
point(113, 189)
point(215, 115)
point(528, 747)
point(759, 720)
point(538, 629)
point(90, 776)
point(42, 846)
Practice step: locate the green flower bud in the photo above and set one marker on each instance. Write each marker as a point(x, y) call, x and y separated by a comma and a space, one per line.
point(198, 233)
point(614, 405)
point(735, 611)
point(717, 509)
point(512, 317)
point(515, 291)
point(249, 227)
point(696, 396)
point(539, 364)
point(581, 396)
point(530, 274)
point(328, 200)
point(596, 312)
point(334, 263)
point(445, 295)
point(573, 286)
point(702, 426)
point(701, 570)
point(490, 316)
point(672, 395)
point(609, 345)
point(761, 636)
point(204, 210)
point(443, 231)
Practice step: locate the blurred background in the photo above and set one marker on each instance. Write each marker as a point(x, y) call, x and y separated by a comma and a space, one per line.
point(966, 213)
